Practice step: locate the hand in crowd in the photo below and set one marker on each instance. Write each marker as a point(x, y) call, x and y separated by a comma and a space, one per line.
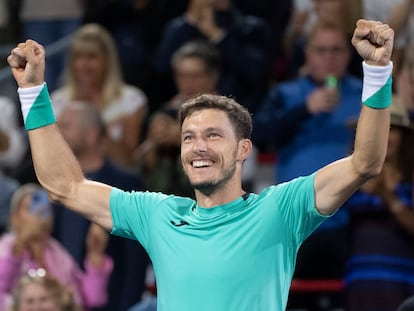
point(201, 14)
point(373, 41)
point(323, 99)
point(164, 130)
point(30, 236)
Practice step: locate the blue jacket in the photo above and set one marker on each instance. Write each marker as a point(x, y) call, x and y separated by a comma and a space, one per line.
point(306, 142)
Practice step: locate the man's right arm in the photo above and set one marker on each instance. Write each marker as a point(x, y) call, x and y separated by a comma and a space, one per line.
point(56, 167)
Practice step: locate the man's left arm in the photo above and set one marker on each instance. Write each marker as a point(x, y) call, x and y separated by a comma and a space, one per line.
point(335, 183)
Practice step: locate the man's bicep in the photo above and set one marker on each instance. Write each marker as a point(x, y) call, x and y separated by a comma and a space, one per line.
point(334, 184)
point(91, 199)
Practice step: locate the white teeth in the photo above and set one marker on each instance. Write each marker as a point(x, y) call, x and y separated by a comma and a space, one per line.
point(201, 163)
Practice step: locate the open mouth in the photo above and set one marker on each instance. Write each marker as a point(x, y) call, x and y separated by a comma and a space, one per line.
point(201, 163)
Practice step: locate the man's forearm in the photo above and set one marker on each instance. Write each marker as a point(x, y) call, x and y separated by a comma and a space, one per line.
point(374, 122)
point(371, 142)
point(56, 167)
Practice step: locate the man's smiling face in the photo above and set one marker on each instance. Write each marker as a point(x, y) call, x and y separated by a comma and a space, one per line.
point(208, 149)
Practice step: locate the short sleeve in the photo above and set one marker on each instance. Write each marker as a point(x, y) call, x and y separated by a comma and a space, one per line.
point(298, 211)
point(131, 213)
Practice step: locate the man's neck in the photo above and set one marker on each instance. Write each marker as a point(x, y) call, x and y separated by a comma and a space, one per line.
point(224, 195)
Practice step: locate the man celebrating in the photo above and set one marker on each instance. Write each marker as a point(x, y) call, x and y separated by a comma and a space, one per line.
point(227, 250)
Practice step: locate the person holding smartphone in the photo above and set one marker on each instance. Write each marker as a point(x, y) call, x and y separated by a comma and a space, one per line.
point(29, 246)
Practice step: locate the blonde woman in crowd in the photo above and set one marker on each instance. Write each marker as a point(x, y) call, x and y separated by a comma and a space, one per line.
point(93, 75)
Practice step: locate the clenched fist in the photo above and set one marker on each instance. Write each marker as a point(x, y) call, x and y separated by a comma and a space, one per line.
point(374, 42)
point(27, 62)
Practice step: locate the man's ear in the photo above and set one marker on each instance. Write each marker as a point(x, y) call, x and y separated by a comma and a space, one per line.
point(245, 148)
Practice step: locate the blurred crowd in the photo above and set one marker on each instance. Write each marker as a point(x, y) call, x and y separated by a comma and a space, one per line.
point(116, 91)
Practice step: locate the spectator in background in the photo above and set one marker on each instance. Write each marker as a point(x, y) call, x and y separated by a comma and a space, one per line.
point(7, 187)
point(243, 41)
point(394, 13)
point(93, 75)
point(405, 80)
point(401, 18)
point(390, 12)
point(380, 273)
point(304, 119)
point(4, 20)
point(136, 28)
point(37, 291)
point(29, 245)
point(297, 112)
point(83, 130)
point(13, 146)
point(305, 15)
point(8, 30)
point(378, 10)
point(48, 21)
point(196, 67)
point(15, 157)
point(277, 14)
point(14, 143)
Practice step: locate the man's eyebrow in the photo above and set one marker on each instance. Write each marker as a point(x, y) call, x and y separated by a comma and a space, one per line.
point(187, 132)
point(210, 129)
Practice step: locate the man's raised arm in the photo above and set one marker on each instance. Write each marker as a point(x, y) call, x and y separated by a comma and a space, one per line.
point(56, 167)
point(335, 183)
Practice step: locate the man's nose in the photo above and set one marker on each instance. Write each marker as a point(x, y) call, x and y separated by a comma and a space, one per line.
point(200, 144)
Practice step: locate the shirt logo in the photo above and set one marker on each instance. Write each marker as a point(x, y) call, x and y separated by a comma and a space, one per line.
point(180, 223)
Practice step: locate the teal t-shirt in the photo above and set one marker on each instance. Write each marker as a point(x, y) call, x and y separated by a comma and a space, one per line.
point(237, 256)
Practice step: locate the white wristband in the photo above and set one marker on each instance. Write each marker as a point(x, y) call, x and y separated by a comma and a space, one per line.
point(36, 106)
point(377, 87)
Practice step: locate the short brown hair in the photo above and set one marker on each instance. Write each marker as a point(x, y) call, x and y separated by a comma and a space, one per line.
point(239, 116)
point(200, 49)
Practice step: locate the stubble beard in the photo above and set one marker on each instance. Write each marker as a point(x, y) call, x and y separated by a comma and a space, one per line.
point(211, 186)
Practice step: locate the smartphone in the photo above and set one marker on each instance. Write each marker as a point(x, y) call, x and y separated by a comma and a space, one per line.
point(40, 205)
point(331, 82)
